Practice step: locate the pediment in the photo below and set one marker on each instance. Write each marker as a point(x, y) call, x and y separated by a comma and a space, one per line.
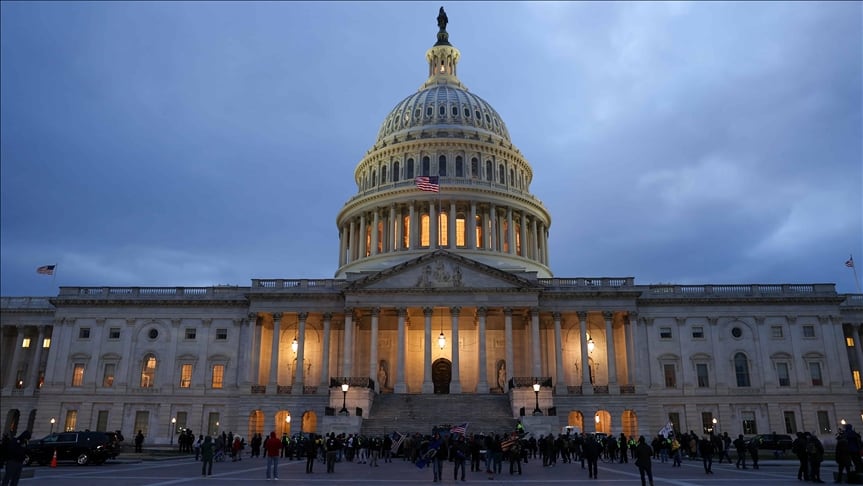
point(442, 270)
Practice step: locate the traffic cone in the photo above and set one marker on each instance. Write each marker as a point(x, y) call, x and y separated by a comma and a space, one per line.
point(54, 459)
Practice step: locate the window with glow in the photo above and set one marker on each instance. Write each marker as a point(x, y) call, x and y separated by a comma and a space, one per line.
point(218, 375)
point(71, 422)
point(443, 234)
point(815, 373)
point(148, 371)
point(782, 374)
point(424, 230)
point(380, 236)
point(741, 369)
point(186, 376)
point(25, 343)
point(46, 343)
point(856, 375)
point(78, 374)
point(707, 422)
point(406, 235)
point(824, 422)
point(108, 375)
point(505, 239)
point(518, 250)
point(479, 237)
point(460, 230)
point(849, 341)
point(749, 424)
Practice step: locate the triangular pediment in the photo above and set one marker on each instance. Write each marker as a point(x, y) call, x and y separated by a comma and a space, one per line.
point(441, 269)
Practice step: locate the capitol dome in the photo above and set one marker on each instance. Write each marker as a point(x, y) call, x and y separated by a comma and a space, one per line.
point(443, 173)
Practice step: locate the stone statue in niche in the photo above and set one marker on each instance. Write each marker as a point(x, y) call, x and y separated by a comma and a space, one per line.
point(501, 375)
point(383, 374)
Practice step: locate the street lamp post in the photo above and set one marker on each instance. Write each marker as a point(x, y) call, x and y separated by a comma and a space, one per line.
point(536, 410)
point(715, 426)
point(173, 427)
point(53, 421)
point(344, 410)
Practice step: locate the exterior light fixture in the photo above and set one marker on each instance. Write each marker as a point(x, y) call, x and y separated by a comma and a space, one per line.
point(441, 339)
point(590, 344)
point(344, 410)
point(536, 410)
point(53, 421)
point(294, 345)
point(173, 428)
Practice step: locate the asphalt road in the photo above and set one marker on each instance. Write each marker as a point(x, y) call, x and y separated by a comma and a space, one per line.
point(132, 471)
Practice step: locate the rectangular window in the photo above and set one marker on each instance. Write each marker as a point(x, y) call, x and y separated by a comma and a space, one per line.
point(664, 333)
point(849, 341)
point(221, 334)
point(670, 376)
point(46, 343)
point(114, 333)
point(25, 343)
point(213, 423)
point(181, 421)
point(191, 332)
point(78, 374)
point(815, 373)
point(71, 422)
point(809, 331)
point(84, 333)
point(218, 375)
point(749, 425)
point(142, 420)
point(701, 373)
point(102, 421)
point(674, 418)
point(824, 426)
point(185, 376)
point(697, 332)
point(782, 374)
point(108, 375)
point(776, 332)
point(707, 422)
point(790, 422)
point(856, 375)
point(460, 238)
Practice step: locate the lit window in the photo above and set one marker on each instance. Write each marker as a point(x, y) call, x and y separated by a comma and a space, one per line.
point(148, 371)
point(191, 332)
point(424, 230)
point(460, 238)
point(46, 343)
point(25, 343)
point(84, 333)
point(809, 331)
point(108, 375)
point(186, 376)
point(78, 374)
point(824, 422)
point(697, 332)
point(749, 424)
point(849, 341)
point(443, 235)
point(218, 375)
point(664, 333)
point(857, 382)
point(221, 334)
point(71, 422)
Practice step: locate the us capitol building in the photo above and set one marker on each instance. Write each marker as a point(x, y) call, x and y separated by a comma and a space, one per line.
point(443, 299)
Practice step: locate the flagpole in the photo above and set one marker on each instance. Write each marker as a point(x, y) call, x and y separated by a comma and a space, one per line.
point(850, 263)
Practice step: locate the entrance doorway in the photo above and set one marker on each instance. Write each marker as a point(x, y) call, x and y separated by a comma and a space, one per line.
point(441, 376)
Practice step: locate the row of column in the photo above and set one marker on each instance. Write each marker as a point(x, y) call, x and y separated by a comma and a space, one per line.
point(357, 242)
point(400, 385)
point(33, 366)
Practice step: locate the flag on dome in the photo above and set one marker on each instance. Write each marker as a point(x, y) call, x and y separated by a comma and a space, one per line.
point(428, 183)
point(46, 270)
point(850, 262)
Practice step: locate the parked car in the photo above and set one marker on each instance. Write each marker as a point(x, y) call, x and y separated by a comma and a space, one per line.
point(82, 447)
point(773, 442)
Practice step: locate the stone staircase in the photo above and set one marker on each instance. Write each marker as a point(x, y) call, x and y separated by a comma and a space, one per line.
point(419, 413)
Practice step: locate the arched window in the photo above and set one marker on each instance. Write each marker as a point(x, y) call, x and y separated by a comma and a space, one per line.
point(374, 179)
point(395, 172)
point(459, 166)
point(741, 369)
point(410, 170)
point(426, 168)
point(501, 174)
point(148, 371)
point(441, 111)
point(384, 175)
point(489, 174)
point(441, 165)
point(511, 177)
point(474, 168)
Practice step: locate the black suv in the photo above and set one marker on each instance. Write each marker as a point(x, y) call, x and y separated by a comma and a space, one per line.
point(82, 447)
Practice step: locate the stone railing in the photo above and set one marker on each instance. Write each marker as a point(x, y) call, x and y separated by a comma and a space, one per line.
point(600, 389)
point(762, 290)
point(302, 284)
point(259, 389)
point(283, 389)
point(352, 381)
point(587, 282)
point(574, 390)
point(528, 381)
point(627, 389)
point(153, 292)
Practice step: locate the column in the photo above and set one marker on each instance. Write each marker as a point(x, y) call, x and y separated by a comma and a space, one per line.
point(855, 333)
point(243, 355)
point(486, 234)
point(373, 348)
point(413, 226)
point(348, 358)
point(762, 360)
point(507, 331)
point(534, 340)
point(609, 342)
point(256, 334)
point(560, 381)
point(352, 241)
point(273, 385)
point(171, 359)
point(482, 366)
point(428, 386)
point(12, 376)
point(324, 382)
point(471, 227)
point(510, 233)
point(375, 238)
point(33, 375)
point(127, 362)
point(534, 240)
point(630, 348)
point(400, 385)
point(362, 237)
point(434, 223)
point(523, 240)
point(455, 384)
point(391, 230)
point(199, 371)
point(62, 348)
point(585, 359)
point(642, 368)
point(451, 240)
point(342, 244)
point(299, 379)
point(494, 237)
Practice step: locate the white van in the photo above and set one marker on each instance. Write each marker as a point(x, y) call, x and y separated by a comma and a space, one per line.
point(570, 430)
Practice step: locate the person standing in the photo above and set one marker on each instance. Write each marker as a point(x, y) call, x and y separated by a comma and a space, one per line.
point(311, 452)
point(139, 441)
point(706, 450)
point(207, 452)
point(459, 457)
point(815, 451)
point(798, 447)
point(13, 453)
point(272, 448)
point(643, 458)
point(591, 451)
point(740, 446)
point(332, 448)
point(753, 451)
point(198, 444)
point(843, 457)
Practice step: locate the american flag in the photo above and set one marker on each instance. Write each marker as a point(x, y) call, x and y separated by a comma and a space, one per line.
point(46, 270)
point(850, 262)
point(397, 442)
point(428, 183)
point(507, 444)
point(458, 429)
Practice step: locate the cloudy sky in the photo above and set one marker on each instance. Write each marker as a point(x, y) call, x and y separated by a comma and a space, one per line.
point(198, 144)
